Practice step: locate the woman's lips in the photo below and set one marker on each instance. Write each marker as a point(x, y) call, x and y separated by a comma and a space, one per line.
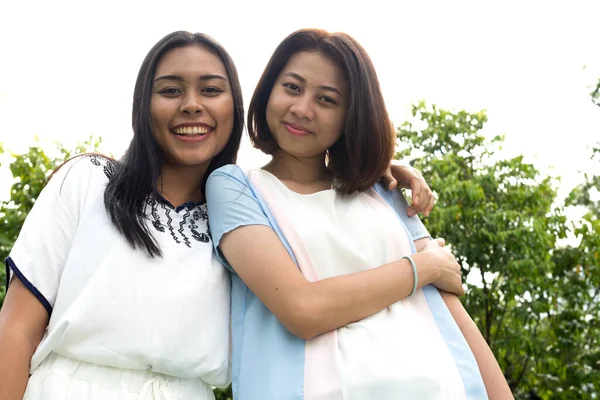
point(296, 130)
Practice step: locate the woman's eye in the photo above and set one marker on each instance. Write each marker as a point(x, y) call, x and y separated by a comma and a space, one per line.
point(329, 100)
point(170, 91)
point(211, 91)
point(292, 86)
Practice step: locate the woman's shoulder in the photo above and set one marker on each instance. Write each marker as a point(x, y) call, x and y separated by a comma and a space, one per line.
point(229, 175)
point(85, 166)
point(229, 170)
point(77, 181)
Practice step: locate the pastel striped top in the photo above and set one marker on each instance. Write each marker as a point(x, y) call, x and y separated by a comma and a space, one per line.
point(410, 350)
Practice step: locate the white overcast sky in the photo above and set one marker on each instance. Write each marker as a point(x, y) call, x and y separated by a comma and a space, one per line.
point(67, 69)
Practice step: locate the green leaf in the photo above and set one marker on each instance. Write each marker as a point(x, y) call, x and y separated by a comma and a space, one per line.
point(534, 300)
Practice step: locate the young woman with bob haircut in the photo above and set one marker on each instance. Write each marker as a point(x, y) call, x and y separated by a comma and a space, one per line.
point(352, 300)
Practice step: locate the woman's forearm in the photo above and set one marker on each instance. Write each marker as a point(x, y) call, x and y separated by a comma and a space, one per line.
point(308, 309)
point(23, 321)
point(15, 357)
point(331, 303)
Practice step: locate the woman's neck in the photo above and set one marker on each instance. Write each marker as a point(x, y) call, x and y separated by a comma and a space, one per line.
point(300, 174)
point(180, 183)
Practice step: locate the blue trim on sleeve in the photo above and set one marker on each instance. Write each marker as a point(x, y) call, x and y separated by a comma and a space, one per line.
point(10, 265)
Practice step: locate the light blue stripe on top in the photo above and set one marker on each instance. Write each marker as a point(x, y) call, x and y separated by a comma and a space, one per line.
point(268, 361)
point(457, 345)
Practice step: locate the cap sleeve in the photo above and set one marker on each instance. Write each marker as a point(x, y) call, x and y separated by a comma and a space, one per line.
point(231, 203)
point(38, 255)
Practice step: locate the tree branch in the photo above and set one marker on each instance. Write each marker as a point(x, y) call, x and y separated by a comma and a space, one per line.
point(499, 323)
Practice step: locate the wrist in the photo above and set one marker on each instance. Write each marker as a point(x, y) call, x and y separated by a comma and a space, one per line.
point(415, 275)
point(426, 268)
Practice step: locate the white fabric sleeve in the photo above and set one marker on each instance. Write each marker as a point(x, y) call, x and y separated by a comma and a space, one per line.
point(42, 247)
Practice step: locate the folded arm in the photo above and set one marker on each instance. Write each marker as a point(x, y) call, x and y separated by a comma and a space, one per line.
point(308, 309)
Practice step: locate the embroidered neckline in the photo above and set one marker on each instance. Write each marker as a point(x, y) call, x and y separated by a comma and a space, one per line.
point(181, 228)
point(190, 219)
point(190, 205)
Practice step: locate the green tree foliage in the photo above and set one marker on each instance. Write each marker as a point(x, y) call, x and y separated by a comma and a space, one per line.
point(595, 94)
point(578, 269)
point(223, 394)
point(30, 172)
point(533, 301)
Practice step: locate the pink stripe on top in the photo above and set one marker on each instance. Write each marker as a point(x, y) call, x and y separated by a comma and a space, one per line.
point(322, 374)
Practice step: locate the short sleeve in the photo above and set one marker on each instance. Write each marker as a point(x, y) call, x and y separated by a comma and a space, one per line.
point(38, 255)
point(231, 203)
point(396, 199)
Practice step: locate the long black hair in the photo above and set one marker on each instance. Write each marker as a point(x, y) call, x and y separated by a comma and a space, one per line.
point(132, 180)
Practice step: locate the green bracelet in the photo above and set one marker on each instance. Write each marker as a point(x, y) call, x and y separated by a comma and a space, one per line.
point(415, 275)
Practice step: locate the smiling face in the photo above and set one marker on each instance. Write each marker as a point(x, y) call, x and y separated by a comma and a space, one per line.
point(191, 106)
point(307, 107)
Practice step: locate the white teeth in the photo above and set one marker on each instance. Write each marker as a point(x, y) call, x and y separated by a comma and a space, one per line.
point(192, 130)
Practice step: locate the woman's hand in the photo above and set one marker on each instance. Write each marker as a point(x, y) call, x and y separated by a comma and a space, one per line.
point(448, 277)
point(406, 177)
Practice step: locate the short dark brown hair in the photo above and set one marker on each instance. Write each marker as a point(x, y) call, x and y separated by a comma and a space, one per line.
point(363, 152)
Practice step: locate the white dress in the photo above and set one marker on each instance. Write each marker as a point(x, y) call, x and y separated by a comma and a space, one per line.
point(123, 325)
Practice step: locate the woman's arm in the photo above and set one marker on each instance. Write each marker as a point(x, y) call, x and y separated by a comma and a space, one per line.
point(23, 321)
point(407, 177)
point(243, 233)
point(493, 379)
point(38, 257)
point(308, 309)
